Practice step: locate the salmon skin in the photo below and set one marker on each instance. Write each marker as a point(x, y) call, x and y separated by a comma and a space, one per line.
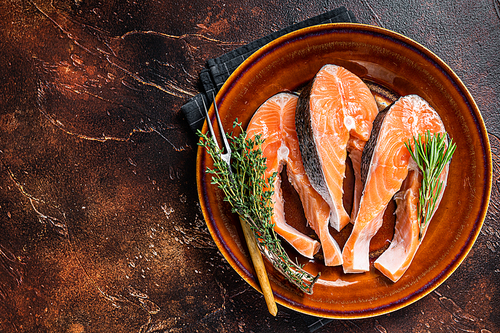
point(334, 115)
point(386, 163)
point(275, 121)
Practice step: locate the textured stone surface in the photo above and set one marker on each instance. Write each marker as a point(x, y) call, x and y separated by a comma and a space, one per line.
point(101, 230)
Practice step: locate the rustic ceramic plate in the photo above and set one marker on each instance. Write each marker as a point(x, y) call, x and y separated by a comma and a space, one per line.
point(392, 65)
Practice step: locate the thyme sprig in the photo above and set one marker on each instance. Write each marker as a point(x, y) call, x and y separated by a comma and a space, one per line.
point(249, 194)
point(432, 154)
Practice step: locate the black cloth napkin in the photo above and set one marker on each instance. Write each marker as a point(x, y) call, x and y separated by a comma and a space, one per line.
point(218, 70)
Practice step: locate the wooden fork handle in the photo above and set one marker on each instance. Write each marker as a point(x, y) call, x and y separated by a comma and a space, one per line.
point(260, 269)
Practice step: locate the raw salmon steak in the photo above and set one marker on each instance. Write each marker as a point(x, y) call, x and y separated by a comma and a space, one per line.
point(385, 166)
point(334, 115)
point(275, 121)
point(394, 262)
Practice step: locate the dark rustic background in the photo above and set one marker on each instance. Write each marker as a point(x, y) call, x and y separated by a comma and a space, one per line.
point(101, 230)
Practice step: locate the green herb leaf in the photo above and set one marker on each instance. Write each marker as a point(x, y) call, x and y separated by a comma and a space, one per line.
point(431, 155)
point(249, 194)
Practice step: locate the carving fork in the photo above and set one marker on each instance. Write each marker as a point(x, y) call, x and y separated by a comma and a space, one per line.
point(255, 254)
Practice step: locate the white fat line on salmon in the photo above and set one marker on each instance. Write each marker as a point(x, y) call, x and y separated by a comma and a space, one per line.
point(336, 283)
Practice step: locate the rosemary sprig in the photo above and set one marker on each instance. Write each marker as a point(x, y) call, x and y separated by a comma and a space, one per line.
point(431, 155)
point(249, 194)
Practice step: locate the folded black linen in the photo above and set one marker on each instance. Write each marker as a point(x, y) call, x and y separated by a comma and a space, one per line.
point(218, 70)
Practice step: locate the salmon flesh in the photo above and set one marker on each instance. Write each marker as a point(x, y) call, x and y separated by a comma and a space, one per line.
point(275, 121)
point(334, 116)
point(387, 169)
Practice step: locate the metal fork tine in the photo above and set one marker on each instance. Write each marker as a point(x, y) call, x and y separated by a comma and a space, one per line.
point(227, 155)
point(209, 123)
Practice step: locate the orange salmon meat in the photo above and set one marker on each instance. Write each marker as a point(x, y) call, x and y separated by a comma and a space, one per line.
point(275, 121)
point(388, 169)
point(334, 116)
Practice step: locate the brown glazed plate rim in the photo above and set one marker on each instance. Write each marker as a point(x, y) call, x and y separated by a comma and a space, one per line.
point(463, 209)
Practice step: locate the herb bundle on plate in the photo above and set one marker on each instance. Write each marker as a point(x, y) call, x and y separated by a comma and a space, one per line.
point(249, 194)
